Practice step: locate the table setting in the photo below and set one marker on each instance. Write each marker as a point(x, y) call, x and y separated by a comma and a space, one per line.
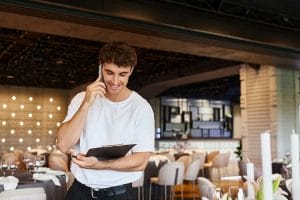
point(34, 176)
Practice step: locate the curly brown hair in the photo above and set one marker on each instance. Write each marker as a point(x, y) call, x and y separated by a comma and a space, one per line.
point(119, 53)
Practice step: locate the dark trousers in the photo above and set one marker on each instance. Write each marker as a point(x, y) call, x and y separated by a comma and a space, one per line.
point(79, 191)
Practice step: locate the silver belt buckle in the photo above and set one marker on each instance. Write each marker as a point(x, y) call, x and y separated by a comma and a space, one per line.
point(92, 193)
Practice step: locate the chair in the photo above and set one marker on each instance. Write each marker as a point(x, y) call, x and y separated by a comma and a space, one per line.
point(170, 174)
point(139, 184)
point(206, 187)
point(243, 170)
point(200, 156)
point(24, 194)
point(185, 159)
point(210, 157)
point(220, 161)
point(170, 156)
point(192, 172)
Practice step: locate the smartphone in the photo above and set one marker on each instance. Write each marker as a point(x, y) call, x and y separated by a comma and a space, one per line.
point(100, 72)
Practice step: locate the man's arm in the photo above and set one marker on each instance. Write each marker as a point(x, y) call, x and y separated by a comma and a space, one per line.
point(69, 132)
point(135, 162)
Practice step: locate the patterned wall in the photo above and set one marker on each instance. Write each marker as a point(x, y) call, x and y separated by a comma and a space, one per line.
point(258, 109)
point(29, 117)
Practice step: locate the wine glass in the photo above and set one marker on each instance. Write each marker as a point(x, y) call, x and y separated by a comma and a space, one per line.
point(13, 168)
point(4, 168)
point(42, 160)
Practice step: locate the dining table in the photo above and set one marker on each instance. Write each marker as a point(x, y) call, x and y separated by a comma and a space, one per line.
point(54, 191)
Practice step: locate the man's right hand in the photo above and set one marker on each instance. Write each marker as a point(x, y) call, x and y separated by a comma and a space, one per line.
point(94, 89)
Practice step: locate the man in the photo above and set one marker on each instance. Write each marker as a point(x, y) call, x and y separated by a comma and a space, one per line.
point(108, 113)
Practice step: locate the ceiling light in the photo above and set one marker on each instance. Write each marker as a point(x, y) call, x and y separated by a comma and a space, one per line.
point(30, 99)
point(4, 106)
point(13, 98)
point(10, 76)
point(59, 61)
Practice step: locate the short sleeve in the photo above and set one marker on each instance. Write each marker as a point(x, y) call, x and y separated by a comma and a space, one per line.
point(144, 129)
point(74, 106)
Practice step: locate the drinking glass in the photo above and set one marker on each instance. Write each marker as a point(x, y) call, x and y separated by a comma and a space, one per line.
point(4, 168)
point(42, 160)
point(13, 168)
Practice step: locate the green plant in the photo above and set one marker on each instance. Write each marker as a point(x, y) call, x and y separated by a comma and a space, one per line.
point(238, 152)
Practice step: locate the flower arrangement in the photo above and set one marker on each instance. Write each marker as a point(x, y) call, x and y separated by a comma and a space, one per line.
point(278, 193)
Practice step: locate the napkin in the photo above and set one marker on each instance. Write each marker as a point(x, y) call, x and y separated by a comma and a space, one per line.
point(46, 177)
point(9, 182)
point(57, 173)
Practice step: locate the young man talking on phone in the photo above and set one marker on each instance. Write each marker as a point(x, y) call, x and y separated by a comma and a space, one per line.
point(108, 113)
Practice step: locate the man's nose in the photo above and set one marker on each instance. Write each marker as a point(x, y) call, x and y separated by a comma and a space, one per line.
point(115, 79)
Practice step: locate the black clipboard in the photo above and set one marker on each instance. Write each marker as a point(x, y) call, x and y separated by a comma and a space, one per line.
point(110, 152)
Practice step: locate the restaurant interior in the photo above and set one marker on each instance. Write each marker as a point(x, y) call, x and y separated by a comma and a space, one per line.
point(222, 77)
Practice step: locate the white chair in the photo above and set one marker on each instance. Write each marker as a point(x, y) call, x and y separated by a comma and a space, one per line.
point(192, 172)
point(206, 188)
point(139, 184)
point(24, 194)
point(185, 159)
point(200, 156)
point(210, 157)
point(221, 161)
point(170, 174)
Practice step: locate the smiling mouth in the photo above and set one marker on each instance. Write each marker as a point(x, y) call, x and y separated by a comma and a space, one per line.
point(114, 87)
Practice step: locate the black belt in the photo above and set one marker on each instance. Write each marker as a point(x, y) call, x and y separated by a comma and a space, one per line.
point(105, 192)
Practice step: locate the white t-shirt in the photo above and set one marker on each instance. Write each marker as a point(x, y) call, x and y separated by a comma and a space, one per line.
point(127, 122)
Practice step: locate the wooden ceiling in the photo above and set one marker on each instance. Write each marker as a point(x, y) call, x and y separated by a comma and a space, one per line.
point(195, 53)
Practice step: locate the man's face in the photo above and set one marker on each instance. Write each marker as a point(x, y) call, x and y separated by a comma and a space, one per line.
point(115, 78)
